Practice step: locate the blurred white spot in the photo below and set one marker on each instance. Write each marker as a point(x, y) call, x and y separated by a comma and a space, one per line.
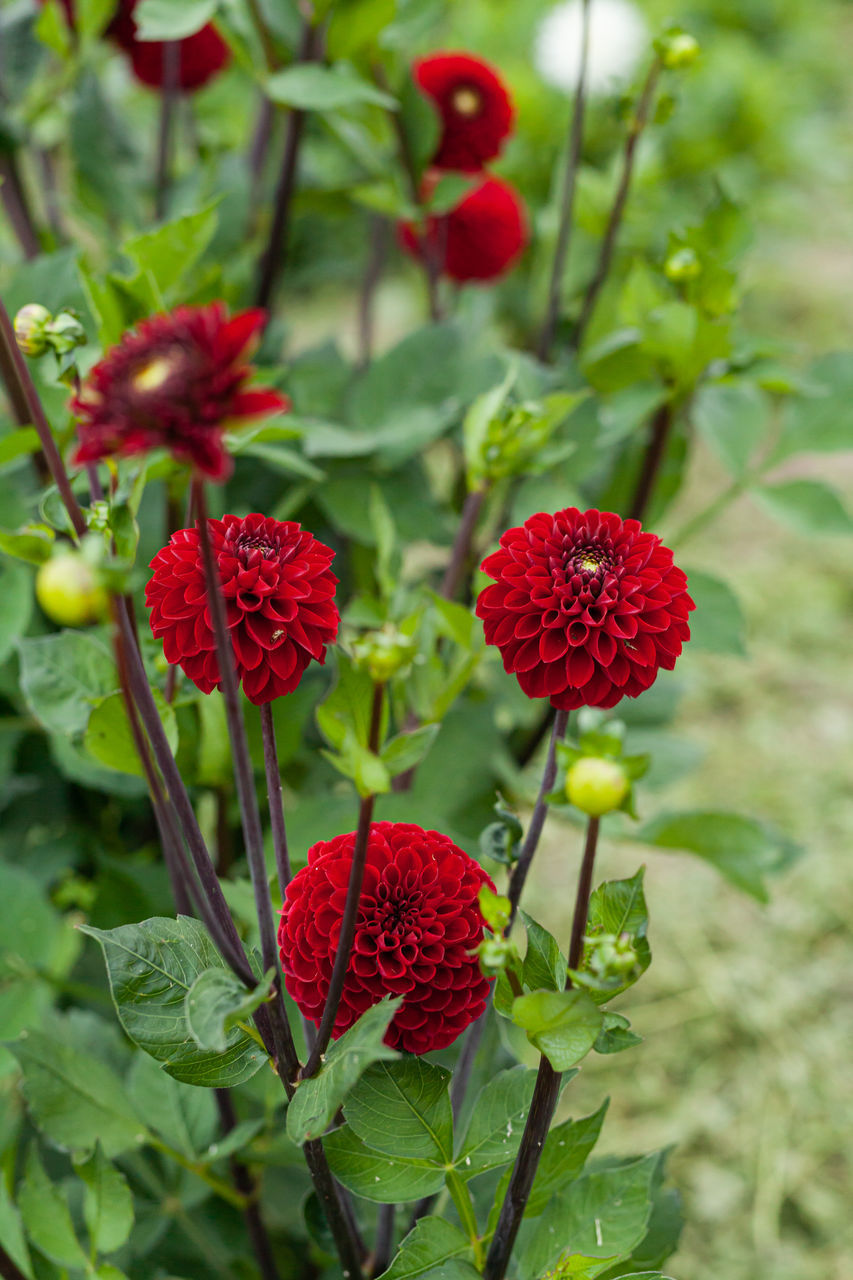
point(618, 37)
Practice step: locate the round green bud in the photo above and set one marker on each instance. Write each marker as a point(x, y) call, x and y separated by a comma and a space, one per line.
point(680, 50)
point(30, 325)
point(65, 332)
point(68, 590)
point(596, 786)
point(682, 265)
point(384, 654)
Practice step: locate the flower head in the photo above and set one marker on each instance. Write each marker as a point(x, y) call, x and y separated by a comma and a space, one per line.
point(279, 597)
point(478, 240)
point(585, 607)
point(418, 926)
point(176, 381)
point(476, 110)
point(618, 37)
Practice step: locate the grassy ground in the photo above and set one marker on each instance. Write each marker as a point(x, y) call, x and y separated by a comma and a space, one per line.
point(746, 1010)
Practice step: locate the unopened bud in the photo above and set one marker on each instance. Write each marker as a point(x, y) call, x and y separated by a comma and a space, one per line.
point(596, 785)
point(612, 957)
point(30, 325)
point(69, 590)
point(65, 332)
point(384, 654)
point(682, 265)
point(679, 50)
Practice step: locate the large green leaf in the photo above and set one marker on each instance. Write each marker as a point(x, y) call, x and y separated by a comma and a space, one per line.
point(561, 1024)
point(404, 1106)
point(743, 850)
point(62, 675)
point(75, 1098)
point(317, 1100)
point(430, 1246)
point(820, 422)
point(109, 738)
point(151, 967)
point(107, 1205)
point(184, 1117)
point(732, 416)
point(497, 1122)
point(805, 505)
point(718, 624)
point(376, 1175)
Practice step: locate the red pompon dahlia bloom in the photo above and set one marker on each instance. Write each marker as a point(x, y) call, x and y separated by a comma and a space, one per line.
point(418, 924)
point(478, 240)
point(177, 381)
point(279, 594)
point(475, 108)
point(585, 608)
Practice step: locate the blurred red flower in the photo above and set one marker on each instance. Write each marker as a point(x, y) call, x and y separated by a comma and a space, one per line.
point(476, 110)
point(478, 240)
point(418, 923)
point(585, 608)
point(279, 597)
point(177, 381)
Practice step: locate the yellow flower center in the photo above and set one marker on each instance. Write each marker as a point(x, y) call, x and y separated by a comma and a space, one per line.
point(467, 102)
point(152, 376)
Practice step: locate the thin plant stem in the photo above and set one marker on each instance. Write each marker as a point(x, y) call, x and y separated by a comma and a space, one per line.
point(220, 1188)
point(700, 521)
point(264, 35)
point(276, 801)
point(17, 206)
point(384, 1247)
point(166, 130)
point(51, 195)
point(377, 253)
point(545, 1095)
point(567, 197)
point(655, 451)
point(608, 244)
point(260, 146)
point(247, 1186)
point(461, 552)
point(537, 819)
point(16, 372)
point(347, 933)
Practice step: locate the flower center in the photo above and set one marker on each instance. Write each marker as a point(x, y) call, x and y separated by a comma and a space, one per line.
point(591, 560)
point(269, 550)
point(152, 375)
point(467, 102)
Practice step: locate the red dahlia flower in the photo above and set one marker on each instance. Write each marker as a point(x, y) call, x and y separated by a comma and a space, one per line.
point(279, 597)
point(418, 923)
point(586, 607)
point(475, 108)
point(478, 240)
point(177, 380)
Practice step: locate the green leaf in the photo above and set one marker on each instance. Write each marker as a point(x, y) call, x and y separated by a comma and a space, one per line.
point(385, 534)
point(561, 1024)
point(151, 967)
point(183, 1116)
point(407, 750)
point(32, 542)
point(732, 416)
point(376, 1175)
point(404, 1106)
point(16, 592)
point(46, 1217)
point(107, 1205)
point(615, 1035)
point(805, 505)
point(421, 124)
point(18, 444)
point(432, 1243)
point(217, 1001)
point(52, 29)
point(169, 252)
point(743, 850)
point(317, 1100)
point(92, 16)
point(62, 675)
point(820, 422)
point(347, 706)
point(718, 624)
point(617, 907)
point(12, 1236)
point(563, 1157)
point(497, 1122)
point(356, 25)
point(312, 87)
point(164, 20)
point(544, 963)
point(109, 739)
point(75, 1099)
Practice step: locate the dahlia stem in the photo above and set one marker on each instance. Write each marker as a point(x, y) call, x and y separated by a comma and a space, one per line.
point(310, 47)
point(545, 1095)
point(659, 431)
point(373, 273)
point(165, 135)
point(608, 244)
point(567, 200)
point(248, 1188)
point(17, 376)
point(384, 1247)
point(461, 552)
point(276, 800)
point(263, 34)
point(537, 820)
point(356, 878)
point(17, 206)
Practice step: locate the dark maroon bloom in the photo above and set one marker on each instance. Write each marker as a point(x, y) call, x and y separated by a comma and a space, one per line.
point(585, 608)
point(418, 925)
point(279, 596)
point(478, 240)
point(176, 381)
point(475, 108)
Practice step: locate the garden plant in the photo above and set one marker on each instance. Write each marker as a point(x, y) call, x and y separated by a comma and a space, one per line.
point(305, 633)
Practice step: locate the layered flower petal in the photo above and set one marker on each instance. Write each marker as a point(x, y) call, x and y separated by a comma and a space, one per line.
point(478, 240)
point(476, 110)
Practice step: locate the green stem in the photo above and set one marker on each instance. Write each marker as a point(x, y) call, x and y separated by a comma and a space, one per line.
point(220, 1188)
point(699, 522)
point(461, 1197)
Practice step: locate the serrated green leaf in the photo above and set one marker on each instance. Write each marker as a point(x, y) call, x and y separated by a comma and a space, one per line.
point(151, 966)
point(170, 251)
point(430, 1245)
point(107, 1205)
point(544, 963)
point(407, 750)
point(109, 738)
point(497, 1122)
point(376, 1175)
point(62, 675)
point(619, 907)
point(46, 1216)
point(404, 1106)
point(743, 850)
point(217, 1001)
point(317, 1100)
point(563, 1025)
point(615, 1035)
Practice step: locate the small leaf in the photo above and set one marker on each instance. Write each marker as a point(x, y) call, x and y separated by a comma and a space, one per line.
point(718, 624)
point(12, 1236)
point(317, 1100)
point(615, 1035)
point(805, 505)
point(406, 750)
point(32, 542)
point(563, 1025)
point(46, 1216)
point(217, 1001)
point(430, 1244)
point(743, 850)
point(544, 963)
point(312, 87)
point(170, 251)
point(108, 1203)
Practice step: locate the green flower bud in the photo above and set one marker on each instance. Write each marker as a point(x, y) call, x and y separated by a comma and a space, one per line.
point(69, 592)
point(384, 654)
point(682, 265)
point(30, 325)
point(612, 958)
point(679, 50)
point(65, 332)
point(596, 785)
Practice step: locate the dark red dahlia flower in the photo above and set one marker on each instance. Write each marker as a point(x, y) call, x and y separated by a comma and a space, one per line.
point(478, 240)
point(178, 381)
point(475, 108)
point(585, 607)
point(279, 594)
point(418, 923)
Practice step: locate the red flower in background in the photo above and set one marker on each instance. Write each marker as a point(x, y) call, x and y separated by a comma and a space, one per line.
point(585, 607)
point(177, 381)
point(418, 922)
point(478, 240)
point(279, 597)
point(475, 108)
